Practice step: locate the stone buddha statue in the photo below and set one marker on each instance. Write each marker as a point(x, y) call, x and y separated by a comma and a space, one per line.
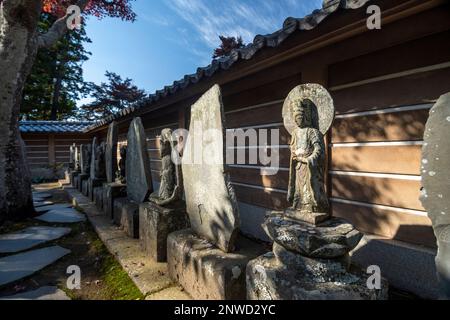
point(306, 191)
point(170, 189)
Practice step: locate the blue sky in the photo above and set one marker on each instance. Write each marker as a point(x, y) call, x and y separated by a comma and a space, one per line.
point(172, 38)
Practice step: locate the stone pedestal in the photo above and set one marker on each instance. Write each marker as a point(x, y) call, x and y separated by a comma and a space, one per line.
point(205, 271)
point(126, 216)
point(112, 191)
point(98, 197)
point(155, 224)
point(284, 275)
point(309, 262)
point(93, 183)
point(84, 186)
point(73, 175)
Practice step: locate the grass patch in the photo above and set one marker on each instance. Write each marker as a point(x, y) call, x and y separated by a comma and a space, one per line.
point(119, 285)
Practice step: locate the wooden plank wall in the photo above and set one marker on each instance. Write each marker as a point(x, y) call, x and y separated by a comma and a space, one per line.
point(51, 149)
point(377, 137)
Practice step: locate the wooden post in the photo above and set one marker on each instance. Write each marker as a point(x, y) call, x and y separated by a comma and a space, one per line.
point(51, 150)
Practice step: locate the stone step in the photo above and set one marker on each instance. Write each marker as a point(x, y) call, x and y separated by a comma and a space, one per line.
point(43, 293)
point(19, 266)
point(67, 215)
point(53, 207)
point(30, 237)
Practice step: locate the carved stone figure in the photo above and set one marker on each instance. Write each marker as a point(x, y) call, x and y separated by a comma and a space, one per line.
point(121, 172)
point(306, 190)
point(85, 159)
point(310, 258)
point(100, 166)
point(170, 189)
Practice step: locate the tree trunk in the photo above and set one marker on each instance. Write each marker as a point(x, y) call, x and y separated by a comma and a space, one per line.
point(18, 48)
point(56, 94)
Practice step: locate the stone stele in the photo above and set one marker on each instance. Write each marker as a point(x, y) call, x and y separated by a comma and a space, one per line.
point(138, 175)
point(85, 158)
point(210, 200)
point(92, 166)
point(436, 184)
point(111, 152)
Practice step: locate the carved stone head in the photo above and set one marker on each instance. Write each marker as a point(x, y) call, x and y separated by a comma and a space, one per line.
point(303, 112)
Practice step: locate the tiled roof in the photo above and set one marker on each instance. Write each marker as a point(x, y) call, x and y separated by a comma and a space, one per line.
point(54, 126)
point(260, 42)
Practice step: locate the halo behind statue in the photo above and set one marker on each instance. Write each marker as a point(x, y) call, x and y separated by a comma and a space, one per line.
point(321, 98)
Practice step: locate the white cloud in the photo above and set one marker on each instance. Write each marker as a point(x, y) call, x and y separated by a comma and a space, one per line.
point(207, 19)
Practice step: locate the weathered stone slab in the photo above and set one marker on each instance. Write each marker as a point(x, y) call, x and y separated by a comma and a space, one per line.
point(73, 176)
point(42, 204)
point(43, 195)
point(30, 237)
point(92, 184)
point(301, 278)
point(126, 215)
point(111, 152)
point(205, 271)
point(85, 159)
point(18, 266)
point(210, 199)
point(68, 215)
point(436, 183)
point(155, 224)
point(112, 191)
point(139, 179)
point(98, 197)
point(330, 239)
point(57, 206)
point(43, 293)
point(85, 187)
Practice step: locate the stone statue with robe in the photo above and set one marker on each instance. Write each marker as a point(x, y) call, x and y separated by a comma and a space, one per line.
point(170, 189)
point(307, 121)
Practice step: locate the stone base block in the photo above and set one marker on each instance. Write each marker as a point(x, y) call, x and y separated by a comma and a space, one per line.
point(81, 178)
point(92, 184)
point(126, 216)
point(205, 271)
point(85, 188)
point(155, 224)
point(284, 275)
point(112, 191)
point(72, 176)
point(98, 197)
point(76, 182)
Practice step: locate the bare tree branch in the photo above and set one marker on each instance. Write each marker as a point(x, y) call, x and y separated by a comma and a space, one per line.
point(58, 29)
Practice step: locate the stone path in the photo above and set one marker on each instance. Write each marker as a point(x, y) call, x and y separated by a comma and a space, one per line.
point(53, 207)
point(42, 204)
point(43, 195)
point(151, 278)
point(43, 293)
point(65, 215)
point(18, 266)
point(30, 237)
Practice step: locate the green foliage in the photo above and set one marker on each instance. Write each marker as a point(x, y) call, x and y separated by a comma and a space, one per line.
point(111, 97)
point(56, 79)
